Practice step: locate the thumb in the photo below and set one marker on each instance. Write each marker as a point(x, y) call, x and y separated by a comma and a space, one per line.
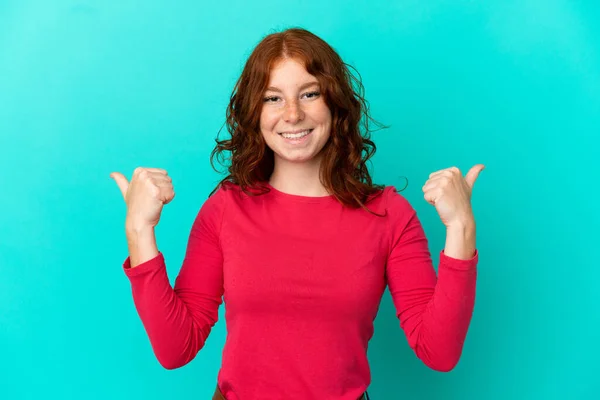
point(473, 174)
point(122, 182)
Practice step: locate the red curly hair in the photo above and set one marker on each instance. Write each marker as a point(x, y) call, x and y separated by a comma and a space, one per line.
point(344, 171)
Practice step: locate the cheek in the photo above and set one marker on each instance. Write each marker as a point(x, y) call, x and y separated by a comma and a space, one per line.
point(268, 119)
point(325, 120)
point(322, 114)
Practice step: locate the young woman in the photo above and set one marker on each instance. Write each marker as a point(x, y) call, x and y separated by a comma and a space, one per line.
point(298, 241)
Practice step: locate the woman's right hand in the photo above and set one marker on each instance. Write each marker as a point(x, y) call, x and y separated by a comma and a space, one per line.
point(145, 195)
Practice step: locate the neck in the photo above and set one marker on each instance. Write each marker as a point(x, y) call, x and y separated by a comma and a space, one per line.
point(301, 179)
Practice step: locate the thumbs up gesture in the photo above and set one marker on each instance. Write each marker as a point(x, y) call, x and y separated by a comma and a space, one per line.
point(450, 193)
point(145, 195)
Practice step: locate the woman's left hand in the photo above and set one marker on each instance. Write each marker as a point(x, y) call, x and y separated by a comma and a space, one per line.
point(450, 193)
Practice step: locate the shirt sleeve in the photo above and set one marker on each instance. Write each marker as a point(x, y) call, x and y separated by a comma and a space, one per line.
point(434, 311)
point(179, 319)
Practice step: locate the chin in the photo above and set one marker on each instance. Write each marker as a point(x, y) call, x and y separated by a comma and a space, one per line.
point(298, 158)
point(294, 160)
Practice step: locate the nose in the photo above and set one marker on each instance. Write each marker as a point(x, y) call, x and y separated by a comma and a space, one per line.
point(293, 113)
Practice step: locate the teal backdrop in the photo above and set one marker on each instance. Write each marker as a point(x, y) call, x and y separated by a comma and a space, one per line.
point(91, 87)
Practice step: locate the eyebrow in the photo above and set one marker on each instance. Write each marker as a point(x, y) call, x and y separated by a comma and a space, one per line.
point(307, 84)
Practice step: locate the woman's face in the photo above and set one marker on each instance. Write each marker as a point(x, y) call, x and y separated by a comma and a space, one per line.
point(295, 121)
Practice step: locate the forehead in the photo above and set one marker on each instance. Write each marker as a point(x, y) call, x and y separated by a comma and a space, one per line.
point(289, 72)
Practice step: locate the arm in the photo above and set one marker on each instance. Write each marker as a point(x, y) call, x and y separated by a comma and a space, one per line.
point(178, 320)
point(434, 312)
point(141, 243)
point(460, 241)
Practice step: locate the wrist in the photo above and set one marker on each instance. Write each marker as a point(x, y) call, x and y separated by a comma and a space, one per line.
point(461, 228)
point(460, 240)
point(141, 243)
point(134, 228)
point(464, 224)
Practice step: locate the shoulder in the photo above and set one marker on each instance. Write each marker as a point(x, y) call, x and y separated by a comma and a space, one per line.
point(223, 196)
point(213, 208)
point(390, 201)
point(217, 200)
point(397, 202)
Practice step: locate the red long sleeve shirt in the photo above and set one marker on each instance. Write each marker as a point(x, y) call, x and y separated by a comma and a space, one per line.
point(302, 279)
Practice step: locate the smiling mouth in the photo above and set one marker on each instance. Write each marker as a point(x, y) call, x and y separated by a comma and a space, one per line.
point(296, 134)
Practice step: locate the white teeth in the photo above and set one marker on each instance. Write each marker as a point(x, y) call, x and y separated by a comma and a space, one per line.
point(295, 135)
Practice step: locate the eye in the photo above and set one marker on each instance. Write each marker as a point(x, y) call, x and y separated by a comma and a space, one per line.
point(312, 95)
point(270, 99)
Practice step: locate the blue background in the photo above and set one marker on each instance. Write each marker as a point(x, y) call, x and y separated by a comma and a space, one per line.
point(91, 87)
